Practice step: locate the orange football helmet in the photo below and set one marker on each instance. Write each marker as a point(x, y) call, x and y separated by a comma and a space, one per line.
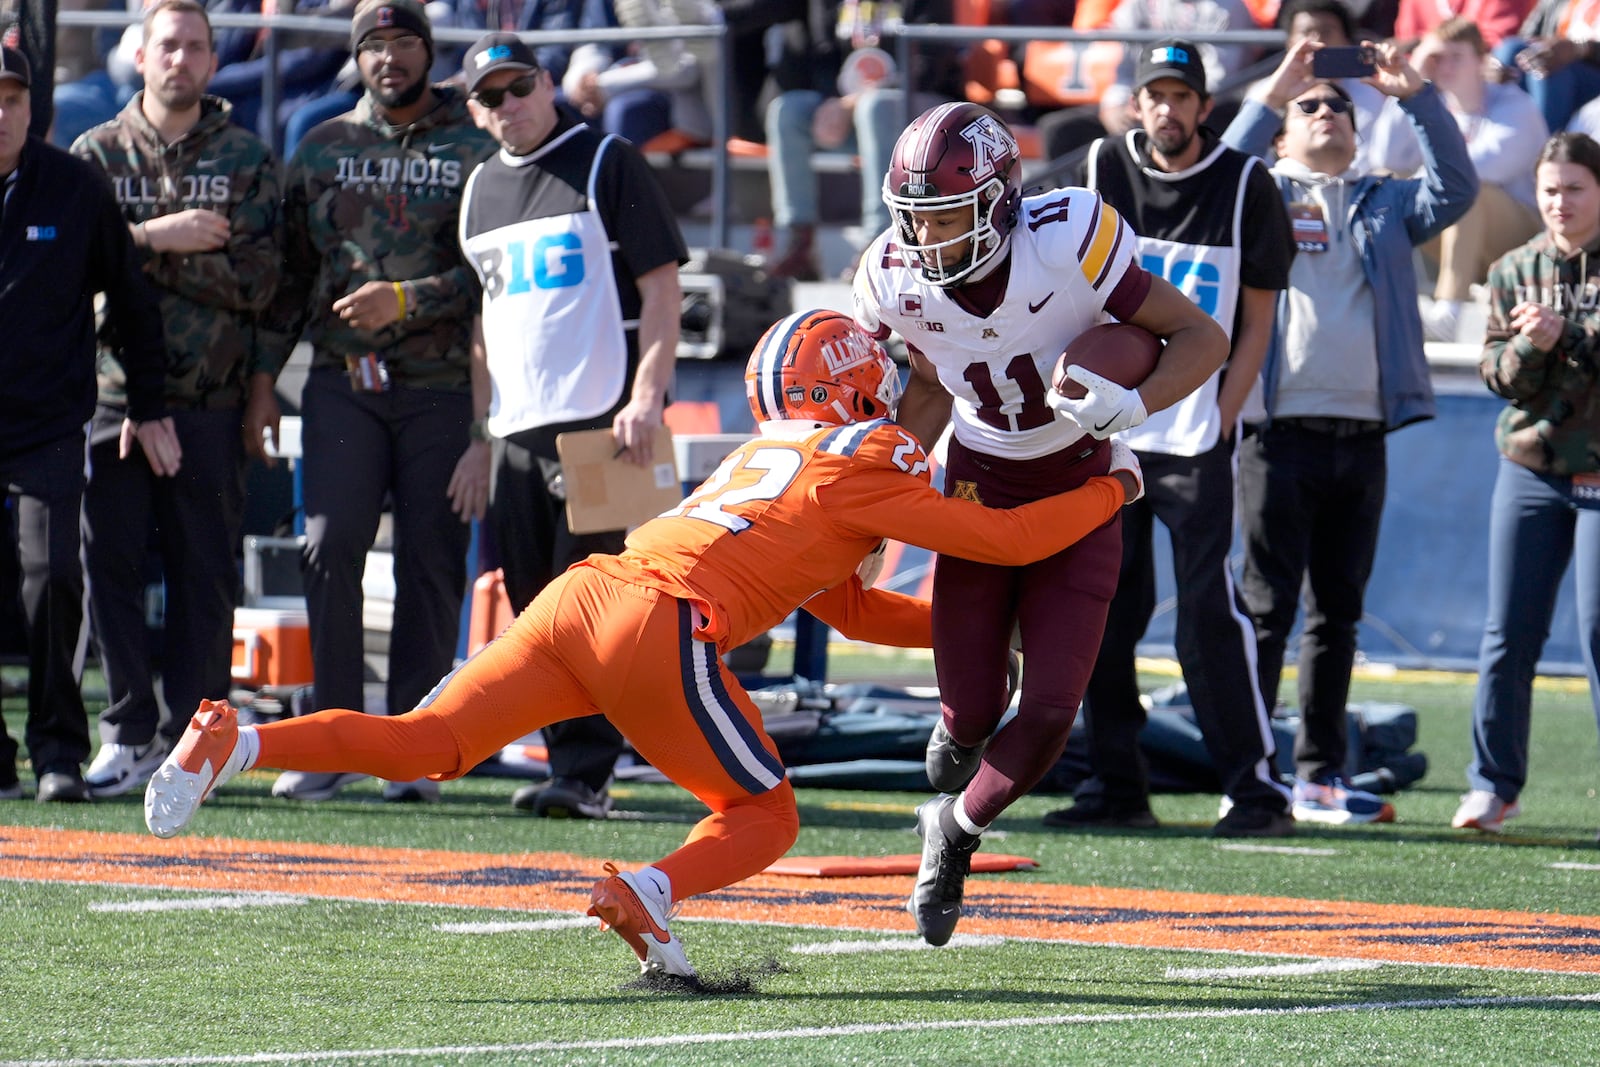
point(820, 366)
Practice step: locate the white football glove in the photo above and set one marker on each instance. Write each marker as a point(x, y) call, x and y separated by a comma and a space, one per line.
point(1107, 409)
point(1123, 459)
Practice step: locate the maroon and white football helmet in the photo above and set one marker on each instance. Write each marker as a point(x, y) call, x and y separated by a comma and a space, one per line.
point(955, 156)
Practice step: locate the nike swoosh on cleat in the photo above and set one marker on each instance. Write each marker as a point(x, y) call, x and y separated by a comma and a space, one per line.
point(1035, 308)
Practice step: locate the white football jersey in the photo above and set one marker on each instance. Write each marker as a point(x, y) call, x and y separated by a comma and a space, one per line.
point(1069, 251)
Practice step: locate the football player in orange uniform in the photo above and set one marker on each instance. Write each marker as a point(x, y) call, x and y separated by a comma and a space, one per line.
point(787, 519)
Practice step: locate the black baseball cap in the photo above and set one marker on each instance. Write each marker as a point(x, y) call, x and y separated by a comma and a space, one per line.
point(496, 51)
point(1172, 58)
point(14, 66)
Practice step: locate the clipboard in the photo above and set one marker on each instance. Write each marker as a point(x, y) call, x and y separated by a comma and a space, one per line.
point(605, 491)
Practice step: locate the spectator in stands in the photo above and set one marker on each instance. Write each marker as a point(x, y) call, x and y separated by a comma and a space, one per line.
point(210, 246)
point(1345, 367)
point(1329, 24)
point(1116, 114)
point(530, 383)
point(374, 278)
point(65, 242)
point(845, 110)
point(1504, 133)
point(1556, 57)
point(1542, 347)
point(308, 65)
point(1495, 19)
point(655, 86)
point(769, 51)
point(99, 94)
point(1210, 221)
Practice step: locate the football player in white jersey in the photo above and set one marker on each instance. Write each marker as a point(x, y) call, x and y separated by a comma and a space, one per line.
point(987, 288)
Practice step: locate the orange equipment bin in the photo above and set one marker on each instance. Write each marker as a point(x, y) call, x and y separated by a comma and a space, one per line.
point(271, 648)
point(491, 610)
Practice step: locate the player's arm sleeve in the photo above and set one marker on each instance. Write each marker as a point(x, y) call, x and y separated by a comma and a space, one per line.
point(879, 616)
point(884, 503)
point(1268, 249)
point(1078, 226)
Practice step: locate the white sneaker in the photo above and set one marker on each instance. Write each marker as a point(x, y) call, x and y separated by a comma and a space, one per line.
point(1441, 320)
point(207, 755)
point(420, 791)
point(1484, 811)
point(117, 769)
point(313, 785)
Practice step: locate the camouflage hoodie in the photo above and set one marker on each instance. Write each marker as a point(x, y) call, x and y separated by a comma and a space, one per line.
point(364, 200)
point(209, 300)
point(1553, 423)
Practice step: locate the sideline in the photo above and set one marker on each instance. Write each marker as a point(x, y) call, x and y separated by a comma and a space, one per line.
point(553, 882)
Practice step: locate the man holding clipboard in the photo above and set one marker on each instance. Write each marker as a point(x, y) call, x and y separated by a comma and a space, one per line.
point(578, 331)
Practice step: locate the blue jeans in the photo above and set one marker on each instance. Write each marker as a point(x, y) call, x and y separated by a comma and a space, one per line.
point(1537, 525)
point(86, 103)
point(1558, 95)
point(790, 146)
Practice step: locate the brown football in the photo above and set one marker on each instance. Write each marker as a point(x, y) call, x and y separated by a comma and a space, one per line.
point(1121, 351)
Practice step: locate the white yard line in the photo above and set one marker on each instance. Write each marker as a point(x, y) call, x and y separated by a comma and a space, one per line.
point(212, 903)
point(803, 1033)
point(897, 944)
point(1275, 970)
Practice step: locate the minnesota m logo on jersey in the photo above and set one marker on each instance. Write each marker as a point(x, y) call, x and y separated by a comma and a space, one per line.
point(991, 144)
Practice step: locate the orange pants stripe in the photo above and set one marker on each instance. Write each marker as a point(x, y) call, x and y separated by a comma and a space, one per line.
point(588, 644)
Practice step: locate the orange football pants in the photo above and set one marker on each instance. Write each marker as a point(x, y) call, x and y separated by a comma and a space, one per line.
point(589, 643)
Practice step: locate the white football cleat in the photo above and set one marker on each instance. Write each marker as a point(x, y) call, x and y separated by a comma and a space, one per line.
point(207, 755)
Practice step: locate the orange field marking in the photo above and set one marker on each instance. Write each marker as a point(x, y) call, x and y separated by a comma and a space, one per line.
point(551, 881)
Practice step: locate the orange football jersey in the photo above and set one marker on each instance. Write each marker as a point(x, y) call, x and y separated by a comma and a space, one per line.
point(788, 517)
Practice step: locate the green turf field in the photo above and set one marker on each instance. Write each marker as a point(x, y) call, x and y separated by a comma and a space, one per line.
point(113, 971)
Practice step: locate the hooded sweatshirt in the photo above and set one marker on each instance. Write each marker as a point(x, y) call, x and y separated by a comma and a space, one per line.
point(1553, 422)
point(364, 201)
point(209, 300)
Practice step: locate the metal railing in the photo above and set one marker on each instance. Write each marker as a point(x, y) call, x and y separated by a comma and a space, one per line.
point(905, 37)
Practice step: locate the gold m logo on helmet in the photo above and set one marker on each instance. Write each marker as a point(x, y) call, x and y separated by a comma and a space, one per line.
point(991, 142)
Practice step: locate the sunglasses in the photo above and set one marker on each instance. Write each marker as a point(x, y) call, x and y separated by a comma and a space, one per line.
point(1336, 104)
point(493, 98)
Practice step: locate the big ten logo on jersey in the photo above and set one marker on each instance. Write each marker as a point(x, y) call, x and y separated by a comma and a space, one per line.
point(416, 172)
point(1200, 280)
point(184, 189)
point(554, 261)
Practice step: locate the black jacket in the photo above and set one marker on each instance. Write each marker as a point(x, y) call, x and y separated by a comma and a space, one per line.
point(62, 240)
